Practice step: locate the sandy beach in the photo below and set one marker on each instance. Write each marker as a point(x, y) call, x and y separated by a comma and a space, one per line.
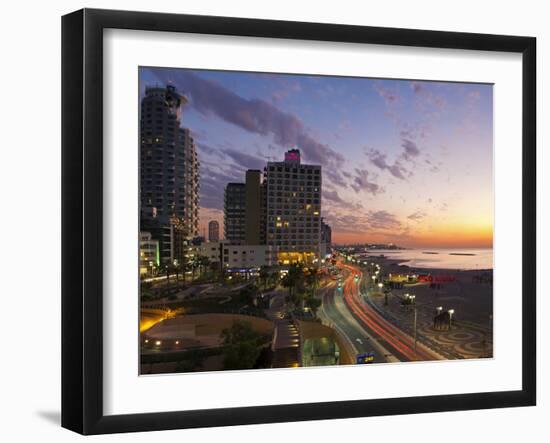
point(468, 292)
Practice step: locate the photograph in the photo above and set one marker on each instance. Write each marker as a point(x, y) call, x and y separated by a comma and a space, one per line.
point(292, 220)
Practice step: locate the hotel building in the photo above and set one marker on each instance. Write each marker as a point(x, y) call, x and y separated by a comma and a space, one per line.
point(293, 208)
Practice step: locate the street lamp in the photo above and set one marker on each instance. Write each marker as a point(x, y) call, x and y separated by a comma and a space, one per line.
point(451, 312)
point(415, 329)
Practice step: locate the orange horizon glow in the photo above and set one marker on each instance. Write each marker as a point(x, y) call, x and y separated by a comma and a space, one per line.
point(449, 238)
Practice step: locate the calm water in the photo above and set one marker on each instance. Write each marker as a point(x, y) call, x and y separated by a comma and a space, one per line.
point(442, 258)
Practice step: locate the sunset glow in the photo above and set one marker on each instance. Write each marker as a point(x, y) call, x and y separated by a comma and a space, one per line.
point(408, 162)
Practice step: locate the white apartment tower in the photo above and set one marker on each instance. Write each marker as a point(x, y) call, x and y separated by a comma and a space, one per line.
point(293, 205)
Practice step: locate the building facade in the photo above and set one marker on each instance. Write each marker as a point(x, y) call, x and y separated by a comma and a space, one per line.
point(233, 257)
point(169, 173)
point(149, 254)
point(234, 214)
point(213, 231)
point(293, 208)
point(253, 207)
point(326, 234)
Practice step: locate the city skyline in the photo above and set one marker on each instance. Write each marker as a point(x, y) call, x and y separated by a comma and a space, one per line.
point(407, 162)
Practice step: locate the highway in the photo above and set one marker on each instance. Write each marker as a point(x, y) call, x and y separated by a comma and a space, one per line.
point(389, 336)
point(340, 318)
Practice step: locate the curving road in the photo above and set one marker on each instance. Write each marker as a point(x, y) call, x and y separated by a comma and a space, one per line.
point(341, 319)
point(389, 336)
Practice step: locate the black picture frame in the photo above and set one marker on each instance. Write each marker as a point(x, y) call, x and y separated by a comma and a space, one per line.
point(82, 215)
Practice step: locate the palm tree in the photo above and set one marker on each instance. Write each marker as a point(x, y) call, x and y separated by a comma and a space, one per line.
point(203, 262)
point(292, 280)
point(312, 280)
point(264, 275)
point(274, 278)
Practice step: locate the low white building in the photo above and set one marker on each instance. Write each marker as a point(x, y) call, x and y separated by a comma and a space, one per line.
point(148, 253)
point(240, 256)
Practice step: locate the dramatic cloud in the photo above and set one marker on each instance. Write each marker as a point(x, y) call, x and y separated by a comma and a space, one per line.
point(335, 177)
point(380, 161)
point(253, 115)
point(332, 199)
point(417, 216)
point(373, 222)
point(382, 220)
point(361, 183)
point(410, 147)
point(204, 148)
point(247, 161)
point(333, 196)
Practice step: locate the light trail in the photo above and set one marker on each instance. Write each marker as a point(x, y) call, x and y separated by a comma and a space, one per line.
point(396, 338)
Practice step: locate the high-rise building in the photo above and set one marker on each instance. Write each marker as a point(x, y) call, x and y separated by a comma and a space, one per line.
point(326, 238)
point(326, 233)
point(213, 230)
point(293, 207)
point(253, 207)
point(234, 216)
point(169, 173)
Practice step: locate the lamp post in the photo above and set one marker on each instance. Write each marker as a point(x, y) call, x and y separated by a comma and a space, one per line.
point(380, 286)
point(413, 297)
point(451, 312)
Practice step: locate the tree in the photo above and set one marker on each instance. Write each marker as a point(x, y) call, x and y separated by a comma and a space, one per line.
point(248, 294)
point(274, 278)
point(264, 275)
point(293, 280)
point(313, 303)
point(203, 263)
point(241, 345)
point(194, 266)
point(312, 280)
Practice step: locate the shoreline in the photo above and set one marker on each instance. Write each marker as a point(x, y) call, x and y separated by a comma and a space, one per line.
point(469, 291)
point(401, 266)
point(444, 259)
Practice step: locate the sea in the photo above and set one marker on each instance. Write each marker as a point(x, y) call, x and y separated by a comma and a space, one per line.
point(442, 258)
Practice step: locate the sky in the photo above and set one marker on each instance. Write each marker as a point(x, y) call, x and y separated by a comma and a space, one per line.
point(408, 162)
